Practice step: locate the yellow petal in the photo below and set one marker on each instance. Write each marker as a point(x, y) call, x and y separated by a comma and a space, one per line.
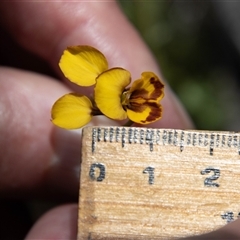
point(108, 92)
point(149, 87)
point(72, 111)
point(145, 113)
point(82, 64)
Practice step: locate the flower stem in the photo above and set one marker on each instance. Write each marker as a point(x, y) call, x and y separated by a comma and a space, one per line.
point(128, 123)
point(96, 112)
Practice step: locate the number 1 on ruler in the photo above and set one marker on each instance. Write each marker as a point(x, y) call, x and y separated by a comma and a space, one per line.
point(157, 183)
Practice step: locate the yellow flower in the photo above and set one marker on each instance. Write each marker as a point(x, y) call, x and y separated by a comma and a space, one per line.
point(140, 103)
point(86, 66)
point(82, 64)
point(72, 111)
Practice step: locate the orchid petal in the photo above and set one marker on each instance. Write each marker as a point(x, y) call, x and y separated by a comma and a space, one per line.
point(72, 111)
point(108, 91)
point(145, 113)
point(82, 64)
point(149, 88)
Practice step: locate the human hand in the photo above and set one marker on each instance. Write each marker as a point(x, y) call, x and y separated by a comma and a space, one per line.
point(39, 160)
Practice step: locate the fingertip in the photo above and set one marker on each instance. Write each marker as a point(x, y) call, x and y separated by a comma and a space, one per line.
point(31, 148)
point(90, 25)
point(58, 223)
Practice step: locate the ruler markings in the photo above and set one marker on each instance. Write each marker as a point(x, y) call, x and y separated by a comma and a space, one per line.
point(189, 136)
point(178, 138)
point(136, 135)
point(239, 145)
point(170, 137)
point(94, 139)
point(192, 173)
point(200, 139)
point(182, 141)
point(217, 140)
point(235, 140)
point(194, 139)
point(209, 180)
point(149, 138)
point(158, 136)
point(164, 137)
point(142, 136)
point(223, 140)
point(175, 140)
point(212, 143)
point(229, 141)
point(111, 134)
point(130, 135)
point(117, 134)
point(206, 139)
point(229, 216)
point(105, 135)
point(99, 134)
point(123, 137)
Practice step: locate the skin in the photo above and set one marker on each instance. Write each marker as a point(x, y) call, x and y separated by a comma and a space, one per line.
point(37, 159)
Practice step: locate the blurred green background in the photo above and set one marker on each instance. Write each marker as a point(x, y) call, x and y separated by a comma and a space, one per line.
point(196, 56)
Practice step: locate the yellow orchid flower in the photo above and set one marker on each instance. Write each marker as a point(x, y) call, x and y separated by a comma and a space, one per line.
point(140, 103)
point(82, 64)
point(86, 66)
point(72, 111)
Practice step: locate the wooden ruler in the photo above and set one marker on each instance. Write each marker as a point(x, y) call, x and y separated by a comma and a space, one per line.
point(139, 183)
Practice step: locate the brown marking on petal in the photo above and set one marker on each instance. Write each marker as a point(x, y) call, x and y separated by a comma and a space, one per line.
point(156, 112)
point(158, 88)
point(137, 107)
point(143, 93)
point(139, 93)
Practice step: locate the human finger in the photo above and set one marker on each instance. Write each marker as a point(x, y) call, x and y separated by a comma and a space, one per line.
point(61, 223)
point(229, 231)
point(76, 23)
point(36, 158)
point(58, 223)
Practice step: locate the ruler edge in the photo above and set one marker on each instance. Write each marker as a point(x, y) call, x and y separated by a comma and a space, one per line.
point(85, 133)
point(229, 142)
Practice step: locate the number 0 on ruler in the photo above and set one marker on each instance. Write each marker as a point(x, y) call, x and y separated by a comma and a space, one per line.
point(139, 183)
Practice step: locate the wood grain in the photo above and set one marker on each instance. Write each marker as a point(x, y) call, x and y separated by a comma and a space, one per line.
point(175, 197)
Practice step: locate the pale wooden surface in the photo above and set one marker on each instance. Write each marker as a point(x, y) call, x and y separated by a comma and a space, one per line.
point(124, 205)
